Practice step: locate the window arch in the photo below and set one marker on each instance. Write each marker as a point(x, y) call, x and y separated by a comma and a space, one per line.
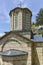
point(16, 20)
point(11, 44)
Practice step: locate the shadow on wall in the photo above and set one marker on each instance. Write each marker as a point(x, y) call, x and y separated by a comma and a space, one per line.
point(35, 60)
point(15, 60)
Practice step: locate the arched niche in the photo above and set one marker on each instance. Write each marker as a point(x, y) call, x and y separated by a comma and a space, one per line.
point(11, 44)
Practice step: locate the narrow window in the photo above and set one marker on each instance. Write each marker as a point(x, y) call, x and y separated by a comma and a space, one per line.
point(16, 20)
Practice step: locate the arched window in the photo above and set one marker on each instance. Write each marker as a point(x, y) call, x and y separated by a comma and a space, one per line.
point(16, 20)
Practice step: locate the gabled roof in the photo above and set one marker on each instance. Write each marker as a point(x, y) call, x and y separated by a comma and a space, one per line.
point(20, 9)
point(12, 52)
point(15, 33)
point(36, 38)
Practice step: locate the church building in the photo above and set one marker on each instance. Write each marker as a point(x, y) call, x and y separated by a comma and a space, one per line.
point(19, 46)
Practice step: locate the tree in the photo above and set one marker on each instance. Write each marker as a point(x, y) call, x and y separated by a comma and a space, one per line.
point(39, 17)
point(33, 26)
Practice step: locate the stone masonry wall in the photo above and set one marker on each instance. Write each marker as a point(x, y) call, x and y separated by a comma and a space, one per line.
point(16, 43)
point(38, 54)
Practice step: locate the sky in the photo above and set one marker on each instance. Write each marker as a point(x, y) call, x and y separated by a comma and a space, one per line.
point(7, 5)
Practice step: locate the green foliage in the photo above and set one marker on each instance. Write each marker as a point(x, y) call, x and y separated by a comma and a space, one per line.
point(40, 32)
point(33, 23)
point(33, 26)
point(39, 18)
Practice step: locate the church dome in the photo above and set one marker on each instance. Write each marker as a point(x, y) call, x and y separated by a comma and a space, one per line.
point(20, 9)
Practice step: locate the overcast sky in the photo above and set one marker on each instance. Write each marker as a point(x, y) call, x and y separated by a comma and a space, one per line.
point(7, 5)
